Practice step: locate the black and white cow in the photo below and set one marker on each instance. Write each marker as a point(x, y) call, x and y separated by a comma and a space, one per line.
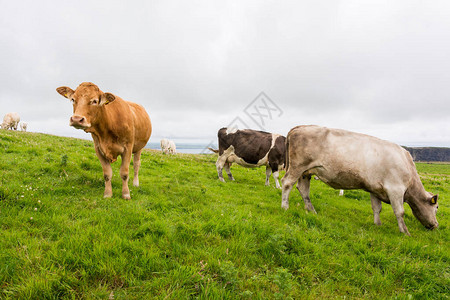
point(250, 149)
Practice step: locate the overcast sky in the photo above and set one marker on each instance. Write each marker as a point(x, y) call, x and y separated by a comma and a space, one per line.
point(376, 67)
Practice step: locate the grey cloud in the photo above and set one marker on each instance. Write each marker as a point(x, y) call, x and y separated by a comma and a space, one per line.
point(195, 66)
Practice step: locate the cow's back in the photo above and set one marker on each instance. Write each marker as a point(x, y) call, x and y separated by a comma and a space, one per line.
point(11, 117)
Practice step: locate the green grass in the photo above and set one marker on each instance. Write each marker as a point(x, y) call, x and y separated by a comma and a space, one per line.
point(186, 235)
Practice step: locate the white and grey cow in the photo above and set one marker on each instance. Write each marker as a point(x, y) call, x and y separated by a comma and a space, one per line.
point(11, 121)
point(168, 147)
point(164, 146)
point(172, 147)
point(23, 126)
point(349, 160)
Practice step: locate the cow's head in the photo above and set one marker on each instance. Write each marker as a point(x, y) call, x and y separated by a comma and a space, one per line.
point(425, 210)
point(88, 104)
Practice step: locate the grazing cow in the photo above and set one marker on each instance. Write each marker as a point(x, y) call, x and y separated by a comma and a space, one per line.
point(348, 160)
point(172, 147)
point(118, 127)
point(23, 126)
point(10, 121)
point(168, 147)
point(250, 149)
point(164, 146)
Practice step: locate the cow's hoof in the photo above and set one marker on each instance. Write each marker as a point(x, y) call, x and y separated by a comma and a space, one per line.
point(405, 231)
point(126, 196)
point(311, 211)
point(136, 183)
point(310, 208)
point(285, 206)
point(107, 195)
point(222, 180)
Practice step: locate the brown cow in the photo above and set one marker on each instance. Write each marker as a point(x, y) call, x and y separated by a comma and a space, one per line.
point(349, 160)
point(118, 127)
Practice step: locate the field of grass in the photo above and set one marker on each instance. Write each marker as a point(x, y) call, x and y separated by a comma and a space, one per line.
point(186, 235)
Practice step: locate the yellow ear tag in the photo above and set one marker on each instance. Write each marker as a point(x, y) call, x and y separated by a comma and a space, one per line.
point(65, 95)
point(433, 200)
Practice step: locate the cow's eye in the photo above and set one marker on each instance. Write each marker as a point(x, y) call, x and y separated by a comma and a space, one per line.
point(94, 101)
point(73, 100)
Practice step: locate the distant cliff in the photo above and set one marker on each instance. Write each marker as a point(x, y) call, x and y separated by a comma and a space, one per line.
point(429, 153)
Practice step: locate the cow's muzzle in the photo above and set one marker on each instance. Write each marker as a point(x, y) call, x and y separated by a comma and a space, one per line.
point(433, 226)
point(79, 122)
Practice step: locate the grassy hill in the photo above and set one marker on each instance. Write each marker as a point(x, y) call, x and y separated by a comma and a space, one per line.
point(184, 234)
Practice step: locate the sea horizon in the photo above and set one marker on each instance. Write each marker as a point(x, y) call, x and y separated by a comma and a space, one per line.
point(188, 148)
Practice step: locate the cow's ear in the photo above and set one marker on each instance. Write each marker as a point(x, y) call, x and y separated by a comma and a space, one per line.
point(434, 199)
point(107, 98)
point(65, 91)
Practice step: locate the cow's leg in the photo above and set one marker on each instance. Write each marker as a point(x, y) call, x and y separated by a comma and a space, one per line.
point(276, 175)
point(124, 170)
point(303, 187)
point(396, 200)
point(136, 166)
point(107, 173)
point(287, 183)
point(227, 169)
point(376, 207)
point(221, 161)
point(268, 173)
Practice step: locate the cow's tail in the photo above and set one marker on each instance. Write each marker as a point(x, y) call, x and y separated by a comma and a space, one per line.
point(287, 153)
point(213, 150)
